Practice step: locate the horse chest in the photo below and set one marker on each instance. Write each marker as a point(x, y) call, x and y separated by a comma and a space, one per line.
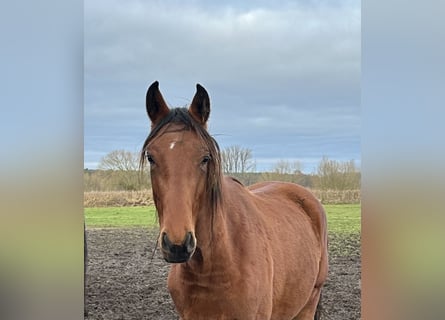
point(215, 297)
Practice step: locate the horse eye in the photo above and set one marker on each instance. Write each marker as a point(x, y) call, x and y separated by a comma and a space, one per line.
point(149, 158)
point(205, 160)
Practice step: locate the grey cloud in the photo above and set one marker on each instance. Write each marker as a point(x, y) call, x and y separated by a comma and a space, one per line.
point(284, 70)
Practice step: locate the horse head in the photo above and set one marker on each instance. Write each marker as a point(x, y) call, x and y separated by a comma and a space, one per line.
point(184, 167)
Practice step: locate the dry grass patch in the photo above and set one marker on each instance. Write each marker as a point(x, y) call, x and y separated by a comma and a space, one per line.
point(144, 198)
point(117, 198)
point(338, 196)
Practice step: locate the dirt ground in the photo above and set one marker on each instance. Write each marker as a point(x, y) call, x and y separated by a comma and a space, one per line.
point(123, 281)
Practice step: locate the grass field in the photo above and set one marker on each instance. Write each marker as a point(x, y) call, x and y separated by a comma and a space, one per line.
point(116, 217)
point(342, 218)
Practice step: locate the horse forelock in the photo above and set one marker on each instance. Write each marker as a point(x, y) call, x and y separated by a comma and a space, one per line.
point(182, 116)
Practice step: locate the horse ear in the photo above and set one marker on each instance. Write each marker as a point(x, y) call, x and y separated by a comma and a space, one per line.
point(200, 107)
point(156, 106)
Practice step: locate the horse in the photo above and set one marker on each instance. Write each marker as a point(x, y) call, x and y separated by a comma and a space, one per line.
point(236, 252)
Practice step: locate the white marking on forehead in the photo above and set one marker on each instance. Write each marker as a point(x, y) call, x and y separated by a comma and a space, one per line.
point(172, 145)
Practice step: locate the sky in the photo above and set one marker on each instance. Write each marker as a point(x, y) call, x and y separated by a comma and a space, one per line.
point(283, 76)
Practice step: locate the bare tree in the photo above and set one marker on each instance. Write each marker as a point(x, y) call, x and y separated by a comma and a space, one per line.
point(287, 167)
point(338, 175)
point(119, 170)
point(237, 159)
point(121, 160)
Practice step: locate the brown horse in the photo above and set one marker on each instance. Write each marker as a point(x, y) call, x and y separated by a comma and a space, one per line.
point(239, 252)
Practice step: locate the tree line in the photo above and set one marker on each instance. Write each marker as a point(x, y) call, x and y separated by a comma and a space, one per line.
point(119, 170)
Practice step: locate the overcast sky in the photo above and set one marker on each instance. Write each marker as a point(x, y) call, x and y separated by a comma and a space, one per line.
point(283, 76)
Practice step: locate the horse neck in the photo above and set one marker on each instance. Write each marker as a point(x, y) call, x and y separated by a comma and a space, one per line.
point(213, 242)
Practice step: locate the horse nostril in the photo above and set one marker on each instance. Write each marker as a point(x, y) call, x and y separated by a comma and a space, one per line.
point(166, 243)
point(189, 242)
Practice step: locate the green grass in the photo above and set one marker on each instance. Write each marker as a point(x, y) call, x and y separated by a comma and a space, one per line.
point(120, 217)
point(342, 218)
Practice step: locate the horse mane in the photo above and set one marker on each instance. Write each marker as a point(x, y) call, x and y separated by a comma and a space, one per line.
point(214, 172)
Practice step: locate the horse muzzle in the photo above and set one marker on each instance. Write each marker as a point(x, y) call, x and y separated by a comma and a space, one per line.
point(174, 253)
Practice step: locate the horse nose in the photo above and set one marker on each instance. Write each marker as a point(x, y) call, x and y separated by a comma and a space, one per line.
point(178, 253)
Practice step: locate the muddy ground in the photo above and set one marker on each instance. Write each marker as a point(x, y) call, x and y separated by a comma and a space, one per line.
point(123, 281)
